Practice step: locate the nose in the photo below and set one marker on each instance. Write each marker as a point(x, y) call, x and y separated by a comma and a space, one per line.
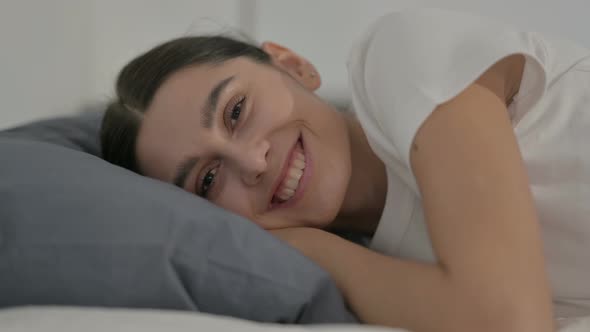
point(252, 161)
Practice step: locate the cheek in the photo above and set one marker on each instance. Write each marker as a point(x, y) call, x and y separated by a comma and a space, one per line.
point(234, 197)
point(274, 102)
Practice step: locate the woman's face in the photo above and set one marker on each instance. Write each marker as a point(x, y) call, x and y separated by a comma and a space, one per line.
point(250, 138)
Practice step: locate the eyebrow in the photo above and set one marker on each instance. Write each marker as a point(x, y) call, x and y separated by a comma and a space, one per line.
point(208, 112)
point(211, 103)
point(183, 170)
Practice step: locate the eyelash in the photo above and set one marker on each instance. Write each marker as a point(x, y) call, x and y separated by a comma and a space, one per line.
point(230, 112)
point(229, 115)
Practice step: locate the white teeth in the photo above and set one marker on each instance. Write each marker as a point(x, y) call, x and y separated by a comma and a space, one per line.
point(295, 173)
point(288, 193)
point(291, 182)
point(299, 163)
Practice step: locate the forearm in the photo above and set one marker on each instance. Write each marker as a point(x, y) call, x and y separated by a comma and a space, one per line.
point(386, 291)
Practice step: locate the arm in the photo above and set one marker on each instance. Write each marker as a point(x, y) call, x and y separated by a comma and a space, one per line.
point(482, 223)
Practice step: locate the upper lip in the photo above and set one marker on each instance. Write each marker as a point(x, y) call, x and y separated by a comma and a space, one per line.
point(283, 173)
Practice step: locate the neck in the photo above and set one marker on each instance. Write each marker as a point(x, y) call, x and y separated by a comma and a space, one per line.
point(367, 188)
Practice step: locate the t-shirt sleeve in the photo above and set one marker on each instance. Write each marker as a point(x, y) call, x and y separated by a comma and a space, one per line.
point(409, 62)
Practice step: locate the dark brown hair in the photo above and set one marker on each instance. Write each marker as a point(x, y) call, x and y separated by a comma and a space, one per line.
point(139, 80)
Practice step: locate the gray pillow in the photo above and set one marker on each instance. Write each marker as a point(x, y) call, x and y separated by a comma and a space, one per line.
point(78, 132)
point(75, 230)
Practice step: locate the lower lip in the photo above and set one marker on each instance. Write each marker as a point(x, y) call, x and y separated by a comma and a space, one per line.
point(302, 181)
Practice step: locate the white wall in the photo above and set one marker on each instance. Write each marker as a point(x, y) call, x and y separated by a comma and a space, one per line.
point(44, 58)
point(56, 55)
point(124, 28)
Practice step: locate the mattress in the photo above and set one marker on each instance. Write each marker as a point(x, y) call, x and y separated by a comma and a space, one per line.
point(75, 319)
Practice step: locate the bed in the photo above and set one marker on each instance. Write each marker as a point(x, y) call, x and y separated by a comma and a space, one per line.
point(74, 319)
point(105, 249)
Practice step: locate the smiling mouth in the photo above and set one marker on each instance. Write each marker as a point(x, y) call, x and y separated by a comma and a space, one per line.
point(293, 173)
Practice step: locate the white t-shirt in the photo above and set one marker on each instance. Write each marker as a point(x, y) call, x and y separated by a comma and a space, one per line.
point(409, 62)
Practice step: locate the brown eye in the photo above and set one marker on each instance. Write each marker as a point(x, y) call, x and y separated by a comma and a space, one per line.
point(233, 113)
point(208, 181)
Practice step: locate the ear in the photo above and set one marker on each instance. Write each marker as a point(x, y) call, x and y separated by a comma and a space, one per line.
point(295, 65)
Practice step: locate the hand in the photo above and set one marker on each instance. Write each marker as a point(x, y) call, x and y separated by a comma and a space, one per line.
point(304, 239)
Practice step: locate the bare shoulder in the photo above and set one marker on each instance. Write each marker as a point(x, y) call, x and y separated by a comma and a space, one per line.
point(504, 77)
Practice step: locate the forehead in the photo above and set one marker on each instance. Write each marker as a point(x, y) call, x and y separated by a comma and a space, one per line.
point(171, 126)
point(189, 85)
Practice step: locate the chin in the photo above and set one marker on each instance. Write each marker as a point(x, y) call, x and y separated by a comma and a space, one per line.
point(326, 139)
point(322, 209)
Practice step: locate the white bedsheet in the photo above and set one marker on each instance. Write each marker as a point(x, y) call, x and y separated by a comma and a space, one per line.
point(75, 319)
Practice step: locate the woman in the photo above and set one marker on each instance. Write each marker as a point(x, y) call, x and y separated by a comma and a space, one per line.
point(465, 152)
